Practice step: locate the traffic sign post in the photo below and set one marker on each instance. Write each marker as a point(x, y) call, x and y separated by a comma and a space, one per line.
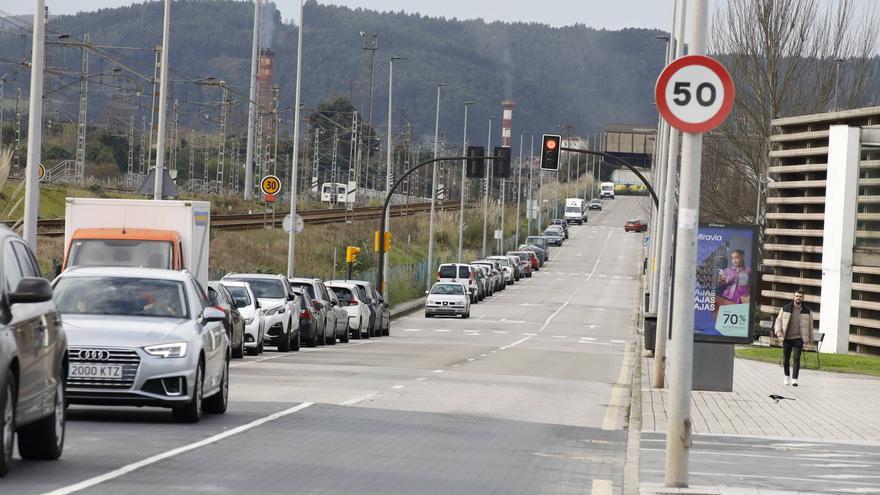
point(694, 94)
point(270, 185)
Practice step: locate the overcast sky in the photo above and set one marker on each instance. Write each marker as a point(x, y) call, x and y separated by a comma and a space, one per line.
point(614, 14)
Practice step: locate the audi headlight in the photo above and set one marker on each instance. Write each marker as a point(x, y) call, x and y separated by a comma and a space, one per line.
point(175, 350)
point(276, 311)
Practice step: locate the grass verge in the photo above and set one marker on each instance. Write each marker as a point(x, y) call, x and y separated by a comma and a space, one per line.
point(839, 363)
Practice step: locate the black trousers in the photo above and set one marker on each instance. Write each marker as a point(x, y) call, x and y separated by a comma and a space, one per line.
point(789, 345)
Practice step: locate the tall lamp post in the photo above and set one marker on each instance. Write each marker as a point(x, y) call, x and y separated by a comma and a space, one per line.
point(519, 188)
point(388, 170)
point(487, 182)
point(464, 145)
point(433, 190)
point(371, 43)
point(35, 132)
point(252, 107)
point(291, 240)
point(837, 62)
point(163, 97)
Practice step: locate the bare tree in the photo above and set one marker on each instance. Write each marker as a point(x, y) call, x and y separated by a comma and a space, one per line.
point(782, 55)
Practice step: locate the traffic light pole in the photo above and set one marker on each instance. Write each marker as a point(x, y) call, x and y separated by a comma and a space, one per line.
point(380, 279)
point(613, 158)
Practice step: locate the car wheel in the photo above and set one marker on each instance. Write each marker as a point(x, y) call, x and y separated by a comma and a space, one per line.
point(467, 315)
point(216, 404)
point(44, 440)
point(428, 315)
point(7, 423)
point(387, 331)
point(253, 351)
point(295, 342)
point(331, 340)
point(260, 346)
point(344, 337)
point(192, 411)
point(238, 352)
point(315, 340)
point(284, 339)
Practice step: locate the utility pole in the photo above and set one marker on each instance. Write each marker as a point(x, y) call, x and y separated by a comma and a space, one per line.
point(464, 145)
point(334, 199)
point(518, 189)
point(205, 157)
point(35, 136)
point(252, 107)
point(79, 174)
point(291, 239)
point(163, 100)
point(371, 43)
point(388, 172)
point(17, 159)
point(679, 428)
point(315, 161)
point(430, 264)
point(276, 123)
point(529, 195)
point(142, 157)
point(153, 108)
point(354, 151)
point(192, 158)
point(175, 138)
point(221, 148)
point(130, 146)
point(2, 97)
point(487, 184)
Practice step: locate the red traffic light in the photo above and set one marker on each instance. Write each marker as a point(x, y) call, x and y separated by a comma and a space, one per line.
point(551, 144)
point(550, 151)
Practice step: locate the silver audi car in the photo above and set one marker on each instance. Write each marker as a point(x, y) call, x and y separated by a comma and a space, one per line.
point(143, 337)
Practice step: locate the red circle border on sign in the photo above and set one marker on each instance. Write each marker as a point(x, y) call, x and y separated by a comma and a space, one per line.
point(726, 105)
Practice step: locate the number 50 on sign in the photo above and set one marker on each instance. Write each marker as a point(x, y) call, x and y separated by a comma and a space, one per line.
point(694, 94)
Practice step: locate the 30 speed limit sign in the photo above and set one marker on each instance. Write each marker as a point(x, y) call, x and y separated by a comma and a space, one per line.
point(694, 94)
point(270, 184)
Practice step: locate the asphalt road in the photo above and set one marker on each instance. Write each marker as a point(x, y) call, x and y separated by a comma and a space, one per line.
point(530, 395)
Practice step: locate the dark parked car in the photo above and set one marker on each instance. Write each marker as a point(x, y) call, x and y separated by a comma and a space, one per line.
point(635, 225)
point(326, 314)
point(539, 253)
point(309, 330)
point(33, 359)
point(554, 237)
point(562, 223)
point(219, 297)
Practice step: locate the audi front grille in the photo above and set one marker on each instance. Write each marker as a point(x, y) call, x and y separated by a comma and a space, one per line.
point(128, 358)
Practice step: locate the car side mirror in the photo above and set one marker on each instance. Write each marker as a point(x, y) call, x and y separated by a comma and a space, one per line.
point(240, 303)
point(291, 296)
point(318, 304)
point(213, 314)
point(426, 293)
point(31, 290)
point(257, 304)
point(334, 303)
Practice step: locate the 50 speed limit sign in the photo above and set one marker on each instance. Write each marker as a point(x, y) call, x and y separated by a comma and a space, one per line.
point(694, 93)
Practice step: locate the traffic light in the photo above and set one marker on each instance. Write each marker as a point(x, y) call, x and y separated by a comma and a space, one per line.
point(351, 254)
point(502, 166)
point(476, 168)
point(387, 241)
point(550, 151)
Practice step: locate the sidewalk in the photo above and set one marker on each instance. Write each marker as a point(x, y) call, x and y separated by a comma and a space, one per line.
point(836, 406)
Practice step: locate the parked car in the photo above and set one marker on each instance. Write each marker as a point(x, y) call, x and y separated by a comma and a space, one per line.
point(481, 277)
point(383, 310)
point(635, 225)
point(279, 307)
point(325, 314)
point(554, 236)
point(342, 331)
point(220, 298)
point(496, 272)
point(541, 242)
point(33, 359)
point(526, 258)
point(562, 223)
point(541, 254)
point(310, 331)
point(507, 267)
point(249, 307)
point(595, 204)
point(448, 299)
point(143, 337)
point(351, 298)
point(459, 272)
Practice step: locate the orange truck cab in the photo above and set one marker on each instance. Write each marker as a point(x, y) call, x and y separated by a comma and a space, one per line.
point(147, 248)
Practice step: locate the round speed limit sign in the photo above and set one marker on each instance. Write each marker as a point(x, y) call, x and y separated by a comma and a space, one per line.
point(694, 93)
point(270, 184)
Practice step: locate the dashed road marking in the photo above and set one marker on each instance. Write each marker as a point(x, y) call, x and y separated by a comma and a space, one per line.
point(438, 371)
point(412, 329)
point(358, 400)
point(499, 331)
point(559, 336)
point(396, 387)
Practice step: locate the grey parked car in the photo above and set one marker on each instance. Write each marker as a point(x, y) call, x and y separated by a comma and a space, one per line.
point(143, 337)
point(320, 298)
point(33, 359)
point(221, 298)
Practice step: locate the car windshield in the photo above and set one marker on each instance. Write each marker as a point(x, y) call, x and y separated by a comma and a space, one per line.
point(538, 241)
point(572, 209)
point(121, 296)
point(107, 252)
point(239, 294)
point(503, 261)
point(551, 232)
point(447, 271)
point(266, 288)
point(447, 289)
point(464, 272)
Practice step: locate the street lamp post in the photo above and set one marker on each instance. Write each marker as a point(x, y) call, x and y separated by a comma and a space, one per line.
point(433, 190)
point(487, 182)
point(388, 171)
point(163, 96)
point(529, 195)
point(464, 144)
point(837, 62)
point(291, 240)
point(35, 132)
point(519, 188)
point(252, 107)
point(372, 45)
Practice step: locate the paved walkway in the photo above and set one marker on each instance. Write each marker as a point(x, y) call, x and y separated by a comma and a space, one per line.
point(833, 406)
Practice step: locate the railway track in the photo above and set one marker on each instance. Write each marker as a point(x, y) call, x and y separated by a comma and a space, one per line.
point(54, 227)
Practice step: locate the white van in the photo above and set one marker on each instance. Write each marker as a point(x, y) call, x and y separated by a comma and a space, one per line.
point(606, 190)
point(575, 210)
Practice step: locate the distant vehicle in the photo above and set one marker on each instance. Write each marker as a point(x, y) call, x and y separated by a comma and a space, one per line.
point(459, 272)
point(143, 337)
point(380, 322)
point(540, 254)
point(481, 276)
point(507, 266)
point(249, 307)
point(562, 223)
point(448, 299)
point(554, 236)
point(496, 274)
point(138, 233)
point(325, 316)
point(606, 190)
point(278, 305)
point(33, 361)
point(221, 299)
point(342, 332)
point(541, 242)
point(635, 225)
point(595, 204)
point(310, 331)
point(575, 211)
point(335, 193)
point(351, 298)
point(526, 258)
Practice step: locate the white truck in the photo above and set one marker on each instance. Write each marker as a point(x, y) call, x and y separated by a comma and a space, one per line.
point(606, 190)
point(165, 234)
point(575, 210)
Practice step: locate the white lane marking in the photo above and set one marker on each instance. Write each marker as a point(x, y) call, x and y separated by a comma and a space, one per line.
point(613, 412)
point(560, 273)
point(357, 400)
point(601, 487)
point(441, 329)
point(618, 342)
point(479, 317)
point(412, 329)
point(483, 355)
point(438, 371)
point(518, 342)
point(396, 387)
point(82, 485)
point(588, 338)
point(530, 334)
point(559, 336)
point(471, 359)
point(575, 274)
point(456, 365)
point(473, 334)
point(498, 331)
point(245, 363)
point(505, 320)
point(420, 379)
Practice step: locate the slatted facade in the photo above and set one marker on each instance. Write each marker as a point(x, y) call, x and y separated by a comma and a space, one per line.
point(794, 221)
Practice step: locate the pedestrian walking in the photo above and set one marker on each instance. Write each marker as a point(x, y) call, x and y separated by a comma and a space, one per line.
point(794, 326)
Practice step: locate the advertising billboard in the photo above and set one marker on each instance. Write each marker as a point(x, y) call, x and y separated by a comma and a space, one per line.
point(726, 289)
